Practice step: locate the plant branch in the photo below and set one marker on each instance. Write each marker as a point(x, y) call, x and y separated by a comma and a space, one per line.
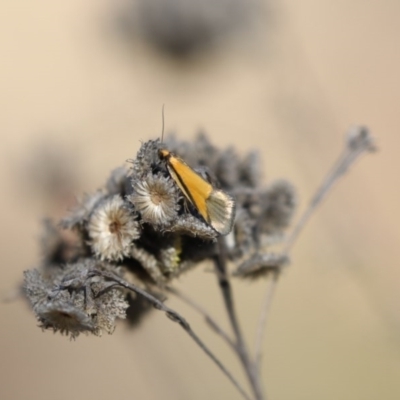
point(176, 317)
point(242, 352)
point(209, 320)
point(262, 325)
point(358, 142)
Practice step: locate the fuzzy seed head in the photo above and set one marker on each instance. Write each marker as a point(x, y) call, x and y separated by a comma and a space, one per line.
point(156, 199)
point(112, 229)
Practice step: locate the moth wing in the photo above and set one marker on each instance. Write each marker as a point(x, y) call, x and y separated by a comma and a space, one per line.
point(195, 188)
point(221, 211)
point(215, 206)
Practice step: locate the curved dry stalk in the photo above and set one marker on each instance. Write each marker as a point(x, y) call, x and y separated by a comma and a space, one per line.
point(358, 142)
point(242, 352)
point(209, 320)
point(262, 325)
point(176, 317)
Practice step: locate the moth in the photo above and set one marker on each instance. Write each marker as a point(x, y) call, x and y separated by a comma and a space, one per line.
point(214, 205)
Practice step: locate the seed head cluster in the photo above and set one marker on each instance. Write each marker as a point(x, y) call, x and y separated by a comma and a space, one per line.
point(142, 228)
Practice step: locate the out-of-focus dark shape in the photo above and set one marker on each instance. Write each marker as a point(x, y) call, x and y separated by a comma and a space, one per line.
point(182, 27)
point(50, 173)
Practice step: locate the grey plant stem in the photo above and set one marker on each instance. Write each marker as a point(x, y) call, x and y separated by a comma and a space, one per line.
point(176, 317)
point(241, 348)
point(208, 318)
point(358, 142)
point(339, 169)
point(261, 327)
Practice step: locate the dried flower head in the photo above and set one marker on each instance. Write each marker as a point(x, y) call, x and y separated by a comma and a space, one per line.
point(35, 287)
point(55, 312)
point(76, 299)
point(145, 221)
point(156, 199)
point(110, 303)
point(64, 317)
point(112, 229)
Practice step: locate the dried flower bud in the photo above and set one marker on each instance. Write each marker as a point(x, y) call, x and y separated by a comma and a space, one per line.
point(118, 182)
point(279, 203)
point(170, 258)
point(359, 137)
point(149, 263)
point(206, 153)
point(261, 265)
point(228, 169)
point(146, 158)
point(192, 226)
point(250, 170)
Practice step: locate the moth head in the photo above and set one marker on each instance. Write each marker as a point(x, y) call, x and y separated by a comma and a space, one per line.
point(164, 154)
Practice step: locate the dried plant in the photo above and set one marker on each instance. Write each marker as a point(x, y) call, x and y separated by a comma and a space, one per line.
point(119, 251)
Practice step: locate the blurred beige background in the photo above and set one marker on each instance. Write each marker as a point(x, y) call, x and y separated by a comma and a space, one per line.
point(291, 87)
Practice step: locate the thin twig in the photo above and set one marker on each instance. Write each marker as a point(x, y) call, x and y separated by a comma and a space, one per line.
point(358, 142)
point(208, 318)
point(266, 306)
point(176, 317)
point(225, 286)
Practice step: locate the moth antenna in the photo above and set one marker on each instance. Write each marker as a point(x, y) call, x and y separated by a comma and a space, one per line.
point(162, 126)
